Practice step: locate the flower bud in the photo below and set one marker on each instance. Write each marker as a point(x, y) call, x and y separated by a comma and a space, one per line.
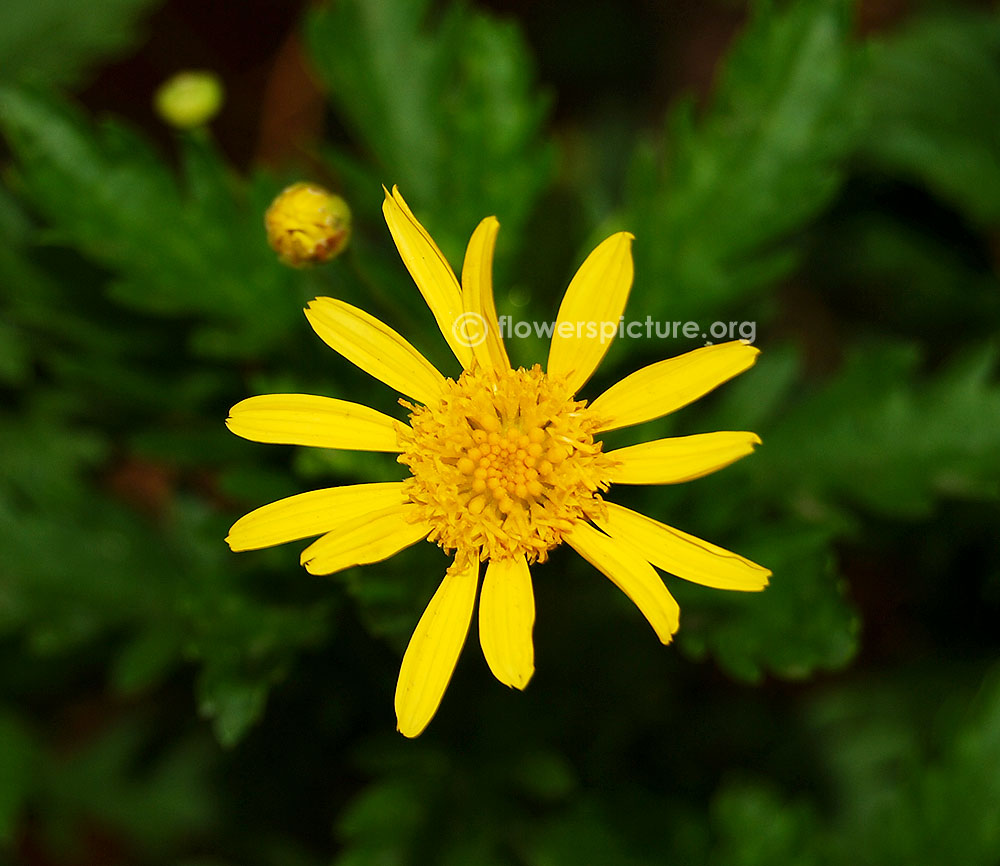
point(306, 224)
point(189, 99)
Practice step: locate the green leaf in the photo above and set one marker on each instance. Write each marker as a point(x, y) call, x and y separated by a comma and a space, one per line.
point(907, 796)
point(446, 108)
point(381, 823)
point(799, 624)
point(177, 248)
point(14, 355)
point(144, 661)
point(233, 706)
point(931, 102)
point(909, 278)
point(153, 799)
point(878, 436)
point(54, 41)
point(245, 647)
point(39, 462)
point(713, 222)
point(582, 834)
point(755, 826)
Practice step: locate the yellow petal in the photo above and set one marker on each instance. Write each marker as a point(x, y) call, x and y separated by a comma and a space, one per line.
point(682, 458)
point(683, 554)
point(429, 268)
point(590, 311)
point(481, 328)
point(375, 348)
point(366, 538)
point(632, 574)
point(668, 385)
point(309, 514)
point(434, 648)
point(506, 618)
point(305, 419)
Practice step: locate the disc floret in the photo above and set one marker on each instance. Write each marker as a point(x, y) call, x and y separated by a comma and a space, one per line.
point(505, 464)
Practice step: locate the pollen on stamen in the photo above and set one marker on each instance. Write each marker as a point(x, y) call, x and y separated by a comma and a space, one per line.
point(504, 465)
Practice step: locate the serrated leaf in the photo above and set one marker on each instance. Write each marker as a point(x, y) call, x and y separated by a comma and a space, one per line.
point(882, 437)
point(446, 107)
point(712, 224)
point(931, 101)
point(174, 248)
point(799, 624)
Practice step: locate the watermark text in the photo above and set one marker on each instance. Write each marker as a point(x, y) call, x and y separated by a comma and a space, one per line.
point(471, 329)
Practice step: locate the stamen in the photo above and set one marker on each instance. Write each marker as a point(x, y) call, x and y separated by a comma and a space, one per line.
point(504, 465)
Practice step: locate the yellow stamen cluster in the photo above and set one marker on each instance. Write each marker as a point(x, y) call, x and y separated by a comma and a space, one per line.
point(504, 465)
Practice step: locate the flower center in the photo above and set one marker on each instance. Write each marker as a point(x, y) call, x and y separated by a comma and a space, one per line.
point(504, 465)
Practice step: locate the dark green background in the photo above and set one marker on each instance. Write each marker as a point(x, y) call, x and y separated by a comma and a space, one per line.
point(829, 171)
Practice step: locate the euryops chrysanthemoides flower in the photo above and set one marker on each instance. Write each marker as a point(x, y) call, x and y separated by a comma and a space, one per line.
point(504, 464)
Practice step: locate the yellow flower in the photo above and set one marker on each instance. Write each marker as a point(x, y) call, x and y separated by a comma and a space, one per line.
point(306, 224)
point(504, 463)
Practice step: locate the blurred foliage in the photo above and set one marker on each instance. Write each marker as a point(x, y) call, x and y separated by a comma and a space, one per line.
point(163, 701)
point(447, 108)
point(923, 120)
point(55, 41)
point(718, 207)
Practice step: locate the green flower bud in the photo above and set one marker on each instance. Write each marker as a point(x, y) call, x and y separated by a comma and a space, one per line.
point(189, 99)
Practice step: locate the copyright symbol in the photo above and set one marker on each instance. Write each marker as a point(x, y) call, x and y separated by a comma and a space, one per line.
point(470, 329)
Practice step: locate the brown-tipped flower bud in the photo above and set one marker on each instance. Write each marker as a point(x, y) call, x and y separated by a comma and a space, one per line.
point(189, 99)
point(307, 225)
